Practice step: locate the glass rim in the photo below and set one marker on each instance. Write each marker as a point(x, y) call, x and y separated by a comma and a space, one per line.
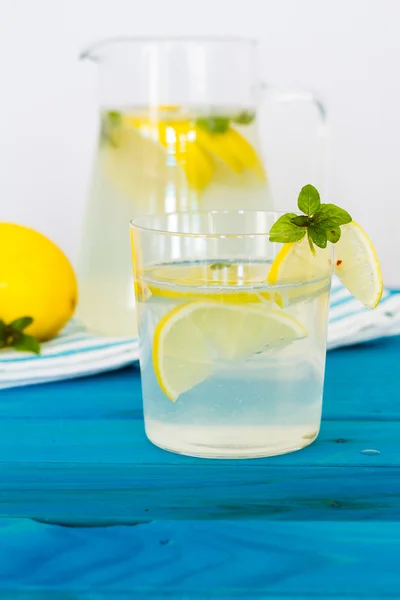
point(140, 223)
point(90, 50)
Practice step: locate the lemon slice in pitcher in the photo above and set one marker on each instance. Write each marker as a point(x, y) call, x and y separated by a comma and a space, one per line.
point(191, 340)
point(180, 148)
point(234, 150)
point(144, 159)
point(145, 155)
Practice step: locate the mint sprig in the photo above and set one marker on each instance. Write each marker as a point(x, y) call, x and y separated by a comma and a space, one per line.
point(13, 336)
point(320, 222)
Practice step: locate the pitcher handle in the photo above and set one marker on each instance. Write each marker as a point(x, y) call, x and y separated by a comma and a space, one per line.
point(321, 146)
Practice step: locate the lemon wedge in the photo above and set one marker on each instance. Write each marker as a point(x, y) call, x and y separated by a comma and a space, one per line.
point(191, 340)
point(357, 265)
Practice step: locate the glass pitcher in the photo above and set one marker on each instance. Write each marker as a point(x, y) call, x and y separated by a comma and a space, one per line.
point(179, 130)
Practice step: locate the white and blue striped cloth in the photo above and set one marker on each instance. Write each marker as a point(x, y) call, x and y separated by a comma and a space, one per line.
point(76, 353)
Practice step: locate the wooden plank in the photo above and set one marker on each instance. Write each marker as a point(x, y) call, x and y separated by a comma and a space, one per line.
point(186, 559)
point(362, 382)
point(340, 443)
point(114, 395)
point(99, 494)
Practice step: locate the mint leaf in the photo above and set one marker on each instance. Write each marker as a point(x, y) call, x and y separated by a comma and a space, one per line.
point(330, 215)
point(310, 243)
point(12, 335)
point(318, 235)
point(284, 231)
point(333, 234)
point(301, 221)
point(25, 343)
point(114, 118)
point(214, 124)
point(110, 122)
point(244, 118)
point(308, 200)
point(21, 323)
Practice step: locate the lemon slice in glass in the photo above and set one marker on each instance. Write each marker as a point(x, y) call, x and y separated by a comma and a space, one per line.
point(235, 283)
point(193, 339)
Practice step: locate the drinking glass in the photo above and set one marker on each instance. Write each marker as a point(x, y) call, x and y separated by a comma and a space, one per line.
point(232, 365)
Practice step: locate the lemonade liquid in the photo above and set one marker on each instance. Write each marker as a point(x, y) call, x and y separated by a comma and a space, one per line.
point(268, 403)
point(149, 161)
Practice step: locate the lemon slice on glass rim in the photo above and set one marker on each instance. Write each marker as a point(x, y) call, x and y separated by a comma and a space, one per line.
point(193, 340)
point(355, 263)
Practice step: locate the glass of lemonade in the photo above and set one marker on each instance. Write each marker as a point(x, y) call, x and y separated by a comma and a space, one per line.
point(232, 365)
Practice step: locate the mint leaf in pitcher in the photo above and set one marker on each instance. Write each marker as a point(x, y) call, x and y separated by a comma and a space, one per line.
point(244, 118)
point(214, 124)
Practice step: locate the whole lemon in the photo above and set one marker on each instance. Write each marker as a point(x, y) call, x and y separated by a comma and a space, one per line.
point(36, 280)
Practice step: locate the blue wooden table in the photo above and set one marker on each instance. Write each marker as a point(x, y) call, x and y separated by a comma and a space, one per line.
point(89, 509)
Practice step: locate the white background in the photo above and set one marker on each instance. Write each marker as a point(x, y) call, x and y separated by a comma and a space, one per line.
point(349, 50)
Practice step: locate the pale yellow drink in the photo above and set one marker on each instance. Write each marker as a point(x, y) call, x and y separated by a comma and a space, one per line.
point(159, 160)
point(231, 366)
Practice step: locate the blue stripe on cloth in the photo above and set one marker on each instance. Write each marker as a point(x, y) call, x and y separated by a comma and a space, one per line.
point(348, 306)
point(341, 299)
point(76, 352)
point(78, 348)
